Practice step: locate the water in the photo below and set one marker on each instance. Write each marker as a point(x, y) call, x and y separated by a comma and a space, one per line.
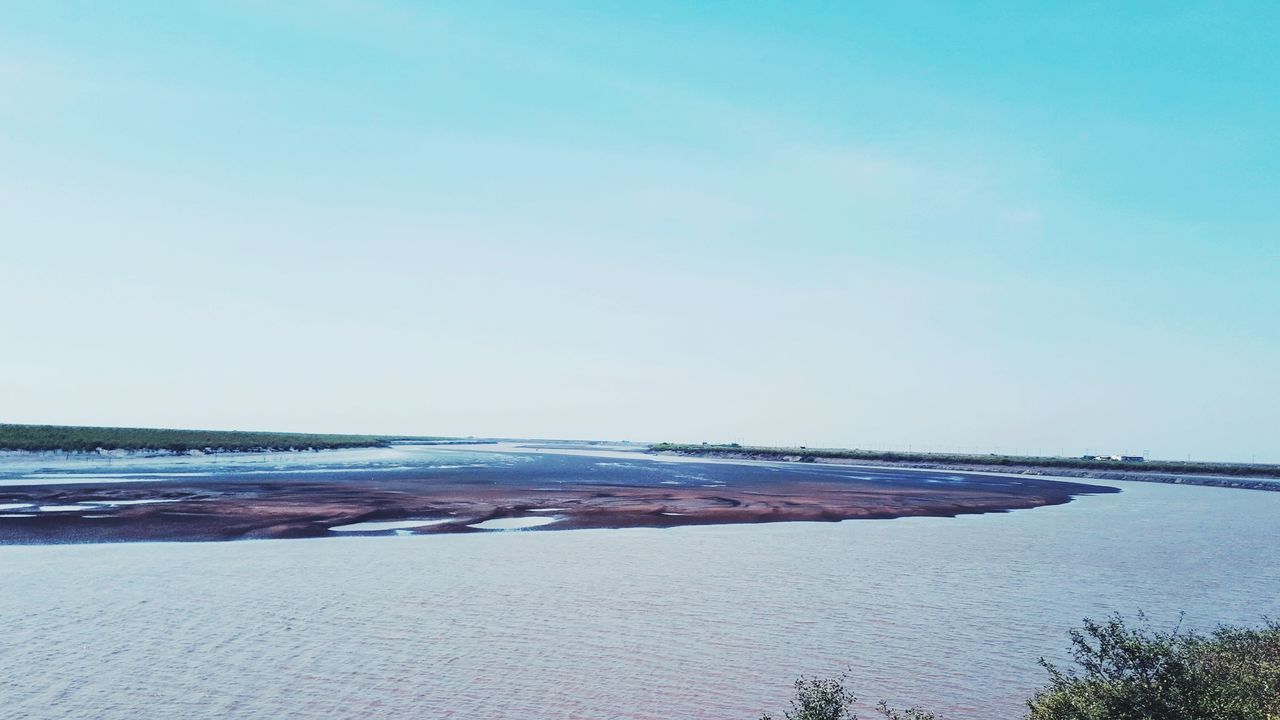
point(698, 622)
point(26, 469)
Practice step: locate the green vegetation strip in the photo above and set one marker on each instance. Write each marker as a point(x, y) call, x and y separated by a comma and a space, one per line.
point(67, 438)
point(812, 454)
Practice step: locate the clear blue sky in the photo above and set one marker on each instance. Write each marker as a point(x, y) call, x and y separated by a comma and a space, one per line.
point(944, 225)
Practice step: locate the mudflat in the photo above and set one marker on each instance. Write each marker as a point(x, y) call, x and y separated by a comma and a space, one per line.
point(543, 491)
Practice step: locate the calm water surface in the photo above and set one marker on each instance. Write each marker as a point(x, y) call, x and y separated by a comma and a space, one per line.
point(705, 622)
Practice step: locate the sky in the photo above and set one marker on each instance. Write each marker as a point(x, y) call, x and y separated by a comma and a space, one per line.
point(992, 227)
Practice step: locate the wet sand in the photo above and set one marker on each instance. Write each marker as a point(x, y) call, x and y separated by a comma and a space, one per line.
point(577, 492)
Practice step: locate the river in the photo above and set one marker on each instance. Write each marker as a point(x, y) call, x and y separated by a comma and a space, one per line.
point(686, 622)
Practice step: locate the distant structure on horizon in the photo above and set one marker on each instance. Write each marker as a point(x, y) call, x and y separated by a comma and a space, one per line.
point(1114, 458)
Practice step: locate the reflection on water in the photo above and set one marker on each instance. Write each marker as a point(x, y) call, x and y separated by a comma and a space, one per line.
point(695, 622)
point(515, 523)
point(380, 525)
point(21, 469)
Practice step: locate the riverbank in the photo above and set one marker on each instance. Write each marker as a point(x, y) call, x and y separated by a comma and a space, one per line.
point(1228, 475)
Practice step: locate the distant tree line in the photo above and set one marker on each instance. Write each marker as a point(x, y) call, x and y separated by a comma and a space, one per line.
point(805, 454)
point(1120, 671)
point(68, 438)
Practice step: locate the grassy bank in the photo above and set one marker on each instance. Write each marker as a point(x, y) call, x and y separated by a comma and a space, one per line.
point(67, 438)
point(1169, 467)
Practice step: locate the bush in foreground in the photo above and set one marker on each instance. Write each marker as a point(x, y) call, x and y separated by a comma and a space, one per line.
point(828, 699)
point(1139, 673)
point(1122, 672)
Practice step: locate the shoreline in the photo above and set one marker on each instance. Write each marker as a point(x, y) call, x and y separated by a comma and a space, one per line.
point(159, 442)
point(1265, 483)
point(158, 452)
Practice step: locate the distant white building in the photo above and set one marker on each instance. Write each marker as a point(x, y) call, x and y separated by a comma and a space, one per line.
point(1114, 458)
